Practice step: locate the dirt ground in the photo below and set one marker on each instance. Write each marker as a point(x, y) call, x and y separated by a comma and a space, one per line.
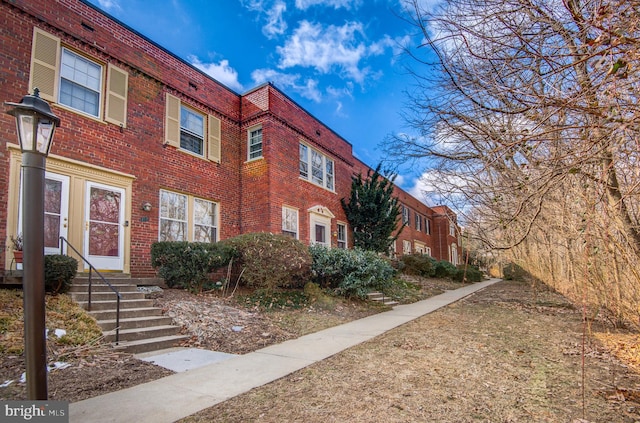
point(510, 353)
point(507, 354)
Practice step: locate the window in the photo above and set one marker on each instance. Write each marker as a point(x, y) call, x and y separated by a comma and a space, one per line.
point(175, 218)
point(427, 226)
point(454, 254)
point(191, 131)
point(406, 247)
point(452, 229)
point(405, 215)
point(320, 234)
point(204, 221)
point(322, 167)
point(418, 222)
point(76, 81)
point(290, 222)
point(255, 143)
point(342, 235)
point(80, 83)
point(427, 251)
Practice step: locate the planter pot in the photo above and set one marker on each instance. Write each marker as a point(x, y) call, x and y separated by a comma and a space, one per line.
point(17, 255)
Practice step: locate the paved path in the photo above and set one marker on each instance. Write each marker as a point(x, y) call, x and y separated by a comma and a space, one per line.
point(174, 397)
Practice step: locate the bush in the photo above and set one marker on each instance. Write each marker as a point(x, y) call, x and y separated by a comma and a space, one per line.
point(188, 264)
point(417, 265)
point(513, 272)
point(472, 274)
point(444, 269)
point(350, 272)
point(269, 261)
point(59, 271)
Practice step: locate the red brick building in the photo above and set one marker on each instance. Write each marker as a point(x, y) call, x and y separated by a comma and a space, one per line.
point(150, 148)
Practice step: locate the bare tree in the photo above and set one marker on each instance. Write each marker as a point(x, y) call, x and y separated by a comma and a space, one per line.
point(528, 110)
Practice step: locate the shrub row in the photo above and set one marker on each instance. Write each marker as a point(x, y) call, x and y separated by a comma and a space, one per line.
point(426, 266)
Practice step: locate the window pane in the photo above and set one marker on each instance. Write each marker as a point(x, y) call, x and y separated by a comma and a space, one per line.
point(204, 217)
point(255, 143)
point(173, 216)
point(342, 236)
point(80, 83)
point(304, 161)
point(329, 167)
point(317, 174)
point(191, 131)
point(290, 221)
point(321, 234)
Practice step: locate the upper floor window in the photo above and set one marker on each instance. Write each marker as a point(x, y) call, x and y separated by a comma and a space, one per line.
point(452, 229)
point(322, 170)
point(80, 83)
point(342, 235)
point(191, 131)
point(427, 226)
point(418, 220)
point(290, 222)
point(76, 81)
point(405, 215)
point(255, 143)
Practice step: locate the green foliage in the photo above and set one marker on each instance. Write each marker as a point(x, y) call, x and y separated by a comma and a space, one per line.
point(271, 261)
point(352, 273)
point(372, 211)
point(268, 299)
point(188, 264)
point(59, 271)
point(443, 269)
point(513, 272)
point(417, 265)
point(318, 297)
point(472, 274)
point(403, 291)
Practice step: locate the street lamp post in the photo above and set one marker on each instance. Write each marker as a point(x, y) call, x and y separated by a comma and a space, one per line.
point(36, 125)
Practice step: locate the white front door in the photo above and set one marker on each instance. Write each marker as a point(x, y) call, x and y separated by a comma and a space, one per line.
point(56, 212)
point(104, 226)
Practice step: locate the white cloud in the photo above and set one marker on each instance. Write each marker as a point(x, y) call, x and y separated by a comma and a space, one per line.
point(325, 48)
point(336, 4)
point(276, 24)
point(109, 5)
point(221, 71)
point(307, 88)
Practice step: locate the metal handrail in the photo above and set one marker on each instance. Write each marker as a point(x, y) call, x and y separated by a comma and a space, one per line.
point(91, 270)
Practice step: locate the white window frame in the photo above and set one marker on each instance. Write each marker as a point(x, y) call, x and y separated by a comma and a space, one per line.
point(290, 221)
point(187, 217)
point(341, 235)
point(83, 85)
point(406, 247)
point(454, 254)
point(182, 219)
point(405, 214)
point(327, 166)
point(418, 220)
point(427, 226)
point(211, 226)
point(252, 142)
point(427, 251)
point(185, 112)
point(452, 229)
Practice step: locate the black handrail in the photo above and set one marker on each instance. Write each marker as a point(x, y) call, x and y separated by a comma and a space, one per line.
point(91, 270)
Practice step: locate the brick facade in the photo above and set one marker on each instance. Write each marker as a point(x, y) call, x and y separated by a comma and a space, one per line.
point(136, 157)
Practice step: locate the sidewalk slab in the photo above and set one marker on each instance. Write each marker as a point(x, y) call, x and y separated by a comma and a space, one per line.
point(182, 394)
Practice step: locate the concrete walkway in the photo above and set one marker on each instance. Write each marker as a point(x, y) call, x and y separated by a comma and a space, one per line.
point(177, 396)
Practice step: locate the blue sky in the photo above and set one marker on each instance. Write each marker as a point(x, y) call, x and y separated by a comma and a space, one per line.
point(341, 60)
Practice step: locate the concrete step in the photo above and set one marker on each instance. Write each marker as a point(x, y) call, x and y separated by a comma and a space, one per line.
point(135, 322)
point(101, 287)
point(106, 296)
point(137, 334)
point(125, 313)
point(111, 305)
point(379, 297)
point(153, 344)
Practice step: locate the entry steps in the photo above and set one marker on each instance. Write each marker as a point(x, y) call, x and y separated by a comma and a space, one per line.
point(379, 297)
point(143, 328)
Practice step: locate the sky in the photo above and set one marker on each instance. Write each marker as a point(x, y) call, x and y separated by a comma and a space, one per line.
point(341, 60)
